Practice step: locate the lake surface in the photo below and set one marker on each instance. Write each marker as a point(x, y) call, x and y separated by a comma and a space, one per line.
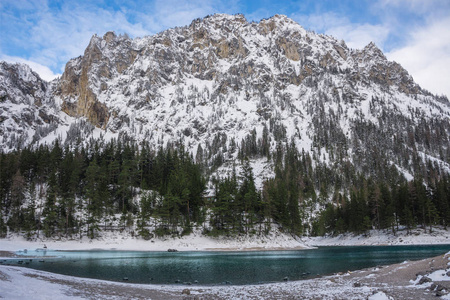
point(211, 268)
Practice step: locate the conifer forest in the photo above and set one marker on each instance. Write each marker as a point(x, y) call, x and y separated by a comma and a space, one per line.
point(224, 127)
point(57, 191)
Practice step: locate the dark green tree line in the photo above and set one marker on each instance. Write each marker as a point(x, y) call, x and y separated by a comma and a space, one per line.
point(56, 190)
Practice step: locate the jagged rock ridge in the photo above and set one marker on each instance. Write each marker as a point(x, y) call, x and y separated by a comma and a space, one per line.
point(225, 87)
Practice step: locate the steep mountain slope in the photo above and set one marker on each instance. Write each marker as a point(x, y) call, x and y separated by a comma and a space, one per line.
point(226, 88)
point(25, 112)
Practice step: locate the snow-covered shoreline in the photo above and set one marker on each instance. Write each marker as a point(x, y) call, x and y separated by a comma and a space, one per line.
point(417, 236)
point(275, 240)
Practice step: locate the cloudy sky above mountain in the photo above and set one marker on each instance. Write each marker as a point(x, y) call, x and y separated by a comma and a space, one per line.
point(415, 33)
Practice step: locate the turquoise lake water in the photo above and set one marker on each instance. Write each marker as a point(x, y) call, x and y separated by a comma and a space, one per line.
point(215, 268)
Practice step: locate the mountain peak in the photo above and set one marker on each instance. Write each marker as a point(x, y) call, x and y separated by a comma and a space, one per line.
point(20, 70)
point(371, 45)
point(281, 18)
point(373, 48)
point(109, 36)
point(282, 22)
point(218, 17)
point(224, 85)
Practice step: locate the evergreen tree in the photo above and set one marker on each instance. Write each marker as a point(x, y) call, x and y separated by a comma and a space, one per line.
point(50, 211)
point(18, 188)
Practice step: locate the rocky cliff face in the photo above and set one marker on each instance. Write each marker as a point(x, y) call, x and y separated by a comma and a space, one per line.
point(226, 86)
point(25, 106)
point(85, 77)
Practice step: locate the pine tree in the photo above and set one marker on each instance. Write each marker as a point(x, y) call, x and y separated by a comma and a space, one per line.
point(93, 198)
point(125, 184)
point(431, 213)
point(146, 210)
point(18, 188)
point(50, 211)
point(441, 197)
point(29, 214)
point(375, 204)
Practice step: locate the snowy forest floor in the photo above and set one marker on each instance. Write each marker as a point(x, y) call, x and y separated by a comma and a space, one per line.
point(416, 236)
point(399, 281)
point(275, 240)
point(196, 241)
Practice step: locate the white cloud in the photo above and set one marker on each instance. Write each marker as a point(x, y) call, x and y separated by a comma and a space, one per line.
point(426, 56)
point(43, 71)
point(355, 35)
point(359, 35)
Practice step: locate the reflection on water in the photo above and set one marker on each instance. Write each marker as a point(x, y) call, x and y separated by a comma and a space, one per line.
point(222, 267)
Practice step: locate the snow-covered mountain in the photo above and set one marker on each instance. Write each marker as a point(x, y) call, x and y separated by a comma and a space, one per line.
point(224, 87)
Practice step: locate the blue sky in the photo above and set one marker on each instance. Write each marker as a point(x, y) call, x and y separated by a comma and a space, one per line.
point(415, 33)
